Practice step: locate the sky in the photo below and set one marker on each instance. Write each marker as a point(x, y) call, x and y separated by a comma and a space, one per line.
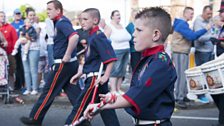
point(105, 6)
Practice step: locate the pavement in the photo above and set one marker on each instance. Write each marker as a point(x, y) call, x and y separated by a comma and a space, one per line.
point(62, 100)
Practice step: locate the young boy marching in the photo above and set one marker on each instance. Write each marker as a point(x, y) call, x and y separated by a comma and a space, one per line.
point(99, 50)
point(150, 99)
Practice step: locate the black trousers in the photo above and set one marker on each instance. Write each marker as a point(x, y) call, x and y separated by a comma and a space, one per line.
point(219, 101)
point(58, 79)
point(20, 81)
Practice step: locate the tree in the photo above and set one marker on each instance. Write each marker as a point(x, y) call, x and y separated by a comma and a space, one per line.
point(42, 15)
point(23, 10)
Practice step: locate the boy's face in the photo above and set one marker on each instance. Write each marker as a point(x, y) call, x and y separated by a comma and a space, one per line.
point(87, 22)
point(28, 24)
point(143, 35)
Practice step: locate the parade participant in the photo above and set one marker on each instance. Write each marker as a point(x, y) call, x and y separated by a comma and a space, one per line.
point(219, 98)
point(98, 50)
point(66, 65)
point(150, 100)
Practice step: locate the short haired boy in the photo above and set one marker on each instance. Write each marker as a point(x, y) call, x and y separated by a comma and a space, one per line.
point(28, 34)
point(98, 50)
point(150, 99)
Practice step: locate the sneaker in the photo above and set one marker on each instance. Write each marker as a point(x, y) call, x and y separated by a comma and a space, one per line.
point(26, 92)
point(24, 57)
point(34, 92)
point(42, 85)
point(84, 123)
point(14, 52)
point(203, 99)
point(181, 104)
point(63, 94)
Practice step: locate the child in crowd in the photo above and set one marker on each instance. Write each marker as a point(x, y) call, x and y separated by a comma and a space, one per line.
point(3, 42)
point(150, 98)
point(28, 34)
point(3, 61)
point(43, 60)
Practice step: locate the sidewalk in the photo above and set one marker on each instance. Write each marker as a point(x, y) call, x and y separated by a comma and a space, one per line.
point(59, 100)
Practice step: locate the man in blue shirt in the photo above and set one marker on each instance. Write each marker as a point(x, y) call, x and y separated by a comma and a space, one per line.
point(17, 24)
point(65, 65)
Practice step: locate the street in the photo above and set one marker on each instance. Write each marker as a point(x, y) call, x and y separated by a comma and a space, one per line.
point(10, 114)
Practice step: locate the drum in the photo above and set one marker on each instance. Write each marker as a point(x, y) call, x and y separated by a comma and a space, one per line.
point(214, 75)
point(196, 82)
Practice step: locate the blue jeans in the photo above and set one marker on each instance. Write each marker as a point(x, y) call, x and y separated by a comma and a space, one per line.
point(31, 69)
point(203, 57)
point(119, 67)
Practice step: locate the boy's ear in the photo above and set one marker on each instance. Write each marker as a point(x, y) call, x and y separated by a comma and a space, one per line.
point(96, 21)
point(156, 35)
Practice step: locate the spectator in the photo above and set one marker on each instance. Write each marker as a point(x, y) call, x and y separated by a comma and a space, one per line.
point(11, 37)
point(18, 21)
point(120, 42)
point(31, 64)
point(180, 46)
point(104, 27)
point(203, 45)
point(43, 70)
point(50, 43)
point(220, 46)
point(17, 24)
point(135, 56)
